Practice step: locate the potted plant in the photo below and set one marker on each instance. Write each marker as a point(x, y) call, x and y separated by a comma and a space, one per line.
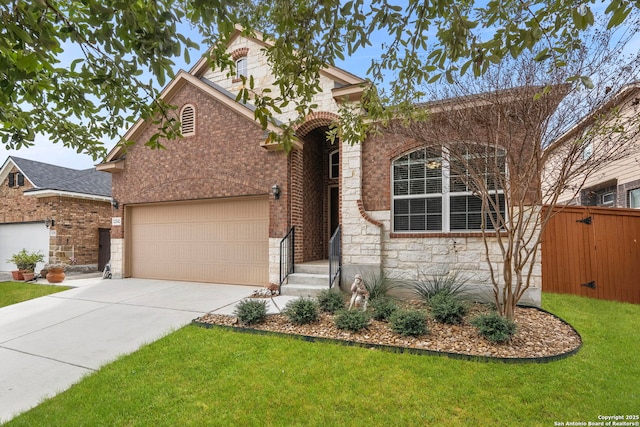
point(55, 272)
point(25, 262)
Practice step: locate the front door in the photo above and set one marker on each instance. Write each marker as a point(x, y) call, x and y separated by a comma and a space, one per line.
point(104, 247)
point(334, 209)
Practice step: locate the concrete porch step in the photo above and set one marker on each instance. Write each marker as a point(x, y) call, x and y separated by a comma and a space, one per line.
point(314, 267)
point(309, 279)
point(291, 289)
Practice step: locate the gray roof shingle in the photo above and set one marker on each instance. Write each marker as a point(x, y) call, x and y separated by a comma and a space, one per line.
point(50, 177)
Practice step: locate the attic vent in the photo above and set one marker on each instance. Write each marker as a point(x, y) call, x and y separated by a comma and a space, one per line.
point(188, 120)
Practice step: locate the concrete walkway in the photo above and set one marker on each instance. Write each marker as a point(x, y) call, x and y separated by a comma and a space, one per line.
point(49, 343)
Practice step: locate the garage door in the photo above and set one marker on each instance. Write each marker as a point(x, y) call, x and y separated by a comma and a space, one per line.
point(224, 241)
point(33, 236)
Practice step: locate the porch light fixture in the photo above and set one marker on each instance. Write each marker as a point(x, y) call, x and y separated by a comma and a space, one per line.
point(275, 190)
point(48, 222)
point(114, 204)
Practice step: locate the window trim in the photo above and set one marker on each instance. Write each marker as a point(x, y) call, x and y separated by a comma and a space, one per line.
point(629, 198)
point(445, 196)
point(242, 68)
point(607, 194)
point(587, 150)
point(15, 179)
point(183, 122)
point(331, 154)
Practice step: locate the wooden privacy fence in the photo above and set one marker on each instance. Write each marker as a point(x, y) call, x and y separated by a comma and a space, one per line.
point(593, 252)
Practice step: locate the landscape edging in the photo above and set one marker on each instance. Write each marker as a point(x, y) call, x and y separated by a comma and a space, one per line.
point(410, 350)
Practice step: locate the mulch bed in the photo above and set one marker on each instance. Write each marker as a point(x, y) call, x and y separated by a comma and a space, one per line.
point(540, 337)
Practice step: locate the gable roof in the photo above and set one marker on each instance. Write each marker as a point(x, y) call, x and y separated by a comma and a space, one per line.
point(337, 74)
point(179, 81)
point(627, 93)
point(48, 178)
point(347, 83)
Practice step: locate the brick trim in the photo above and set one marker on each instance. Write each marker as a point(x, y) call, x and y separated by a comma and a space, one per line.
point(437, 234)
point(314, 121)
point(366, 216)
point(408, 147)
point(240, 53)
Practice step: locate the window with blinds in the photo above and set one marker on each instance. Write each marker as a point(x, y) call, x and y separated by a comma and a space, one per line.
point(434, 191)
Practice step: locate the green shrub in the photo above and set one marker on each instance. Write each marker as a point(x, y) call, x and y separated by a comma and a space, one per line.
point(330, 300)
point(352, 320)
point(26, 260)
point(411, 323)
point(301, 311)
point(251, 311)
point(380, 285)
point(494, 327)
point(447, 308)
point(383, 308)
point(448, 283)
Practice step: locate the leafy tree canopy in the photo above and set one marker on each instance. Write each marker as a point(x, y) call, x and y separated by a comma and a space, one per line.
point(100, 91)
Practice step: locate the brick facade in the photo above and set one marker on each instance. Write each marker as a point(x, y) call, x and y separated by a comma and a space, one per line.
point(16, 207)
point(223, 159)
point(314, 187)
point(77, 221)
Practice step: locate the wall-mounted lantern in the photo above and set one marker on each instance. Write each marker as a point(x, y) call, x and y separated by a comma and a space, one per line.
point(275, 190)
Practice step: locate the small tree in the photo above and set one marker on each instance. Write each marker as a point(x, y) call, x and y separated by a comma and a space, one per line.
point(502, 135)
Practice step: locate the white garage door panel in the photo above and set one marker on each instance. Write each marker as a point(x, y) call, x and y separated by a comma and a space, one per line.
point(221, 241)
point(32, 236)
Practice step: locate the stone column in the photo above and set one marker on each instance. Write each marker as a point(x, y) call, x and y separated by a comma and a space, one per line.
point(361, 236)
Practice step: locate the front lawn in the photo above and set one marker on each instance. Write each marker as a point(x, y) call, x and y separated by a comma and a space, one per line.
point(204, 377)
point(15, 292)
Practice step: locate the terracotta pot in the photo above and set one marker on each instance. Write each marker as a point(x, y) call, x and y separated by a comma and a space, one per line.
point(55, 275)
point(17, 275)
point(28, 276)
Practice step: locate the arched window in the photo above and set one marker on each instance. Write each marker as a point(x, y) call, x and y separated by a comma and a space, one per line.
point(188, 120)
point(240, 57)
point(241, 67)
point(436, 191)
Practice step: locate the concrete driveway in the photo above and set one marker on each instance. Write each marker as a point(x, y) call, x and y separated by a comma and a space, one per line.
point(50, 343)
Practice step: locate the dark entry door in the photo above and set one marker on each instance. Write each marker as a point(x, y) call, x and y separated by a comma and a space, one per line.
point(104, 247)
point(334, 209)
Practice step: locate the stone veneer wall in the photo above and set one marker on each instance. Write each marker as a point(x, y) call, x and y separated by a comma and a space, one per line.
point(117, 258)
point(413, 258)
point(367, 245)
point(274, 259)
point(361, 238)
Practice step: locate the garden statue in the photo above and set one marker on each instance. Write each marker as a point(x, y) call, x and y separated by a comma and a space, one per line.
point(359, 293)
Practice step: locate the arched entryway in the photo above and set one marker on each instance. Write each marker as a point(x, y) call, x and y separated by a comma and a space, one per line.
point(315, 189)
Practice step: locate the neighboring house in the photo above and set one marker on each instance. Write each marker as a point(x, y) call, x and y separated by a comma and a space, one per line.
point(215, 205)
point(64, 213)
point(617, 183)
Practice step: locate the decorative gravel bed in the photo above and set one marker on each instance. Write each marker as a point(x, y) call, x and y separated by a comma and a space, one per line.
point(540, 336)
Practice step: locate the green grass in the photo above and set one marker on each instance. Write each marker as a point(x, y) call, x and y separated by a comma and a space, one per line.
point(15, 292)
point(198, 377)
